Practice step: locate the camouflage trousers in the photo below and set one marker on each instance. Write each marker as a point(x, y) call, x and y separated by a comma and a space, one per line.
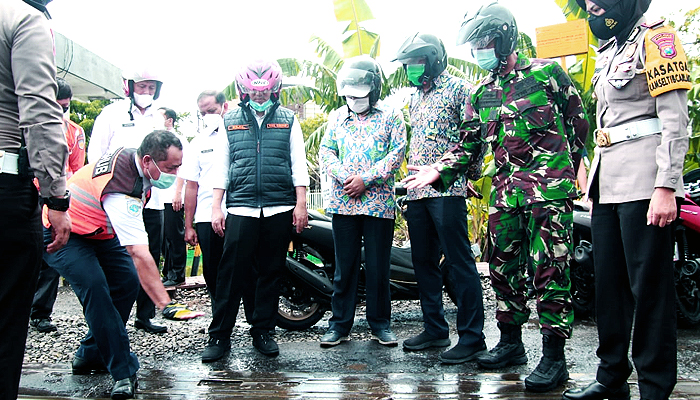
point(536, 236)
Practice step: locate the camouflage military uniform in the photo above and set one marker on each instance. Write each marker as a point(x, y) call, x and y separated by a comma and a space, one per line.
point(534, 120)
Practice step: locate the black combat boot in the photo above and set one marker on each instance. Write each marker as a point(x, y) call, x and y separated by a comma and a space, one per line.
point(508, 351)
point(551, 371)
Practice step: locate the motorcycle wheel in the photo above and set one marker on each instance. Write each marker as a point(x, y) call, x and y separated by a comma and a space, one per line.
point(582, 278)
point(687, 300)
point(298, 309)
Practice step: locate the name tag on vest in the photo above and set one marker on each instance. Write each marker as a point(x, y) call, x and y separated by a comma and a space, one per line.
point(238, 127)
point(277, 126)
point(104, 164)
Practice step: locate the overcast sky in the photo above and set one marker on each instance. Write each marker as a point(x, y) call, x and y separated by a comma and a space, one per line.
point(198, 45)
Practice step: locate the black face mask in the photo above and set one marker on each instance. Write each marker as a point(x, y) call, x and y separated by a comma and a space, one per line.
point(65, 109)
point(609, 24)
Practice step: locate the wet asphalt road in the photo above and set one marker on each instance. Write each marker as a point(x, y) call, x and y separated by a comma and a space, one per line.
point(360, 368)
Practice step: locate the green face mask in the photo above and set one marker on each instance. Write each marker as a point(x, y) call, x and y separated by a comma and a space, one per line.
point(414, 73)
point(260, 107)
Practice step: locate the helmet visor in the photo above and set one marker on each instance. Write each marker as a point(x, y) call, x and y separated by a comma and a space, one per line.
point(354, 82)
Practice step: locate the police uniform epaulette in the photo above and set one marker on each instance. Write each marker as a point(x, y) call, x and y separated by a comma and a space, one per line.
point(655, 24)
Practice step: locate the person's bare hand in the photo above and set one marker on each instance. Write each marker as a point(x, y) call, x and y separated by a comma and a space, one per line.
point(354, 186)
point(662, 207)
point(191, 236)
point(300, 218)
point(60, 230)
point(425, 175)
point(218, 221)
point(177, 203)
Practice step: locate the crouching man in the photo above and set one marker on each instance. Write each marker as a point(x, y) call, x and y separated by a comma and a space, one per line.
point(107, 253)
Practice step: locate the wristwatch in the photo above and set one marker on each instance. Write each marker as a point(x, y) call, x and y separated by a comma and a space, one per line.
point(58, 203)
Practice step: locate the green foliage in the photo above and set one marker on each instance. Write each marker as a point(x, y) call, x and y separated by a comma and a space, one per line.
point(478, 209)
point(84, 114)
point(358, 40)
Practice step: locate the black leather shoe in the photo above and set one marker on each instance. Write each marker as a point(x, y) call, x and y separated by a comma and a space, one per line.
point(265, 344)
point(149, 327)
point(43, 325)
point(596, 391)
point(425, 340)
point(81, 366)
point(462, 353)
point(215, 349)
point(124, 388)
point(332, 338)
point(173, 282)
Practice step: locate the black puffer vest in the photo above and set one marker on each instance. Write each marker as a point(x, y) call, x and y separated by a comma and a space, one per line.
point(260, 173)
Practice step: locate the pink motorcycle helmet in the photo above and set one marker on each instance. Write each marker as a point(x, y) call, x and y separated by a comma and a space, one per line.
point(260, 75)
point(140, 75)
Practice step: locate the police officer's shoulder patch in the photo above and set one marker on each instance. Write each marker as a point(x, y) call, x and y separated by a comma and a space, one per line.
point(666, 64)
point(133, 206)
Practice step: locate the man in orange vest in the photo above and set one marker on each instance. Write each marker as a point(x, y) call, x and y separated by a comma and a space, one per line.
point(107, 253)
point(47, 286)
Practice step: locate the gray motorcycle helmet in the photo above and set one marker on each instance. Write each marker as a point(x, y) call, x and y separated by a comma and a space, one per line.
point(489, 23)
point(424, 45)
point(360, 76)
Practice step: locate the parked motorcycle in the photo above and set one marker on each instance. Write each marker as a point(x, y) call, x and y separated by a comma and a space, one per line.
point(686, 262)
point(307, 285)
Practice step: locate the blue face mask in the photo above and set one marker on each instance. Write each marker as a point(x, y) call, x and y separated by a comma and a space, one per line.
point(164, 181)
point(260, 107)
point(486, 58)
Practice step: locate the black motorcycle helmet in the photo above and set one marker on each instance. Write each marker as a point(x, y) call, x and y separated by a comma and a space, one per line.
point(489, 23)
point(360, 71)
point(428, 46)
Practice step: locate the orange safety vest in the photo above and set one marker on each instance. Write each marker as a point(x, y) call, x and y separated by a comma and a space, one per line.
point(112, 173)
point(75, 138)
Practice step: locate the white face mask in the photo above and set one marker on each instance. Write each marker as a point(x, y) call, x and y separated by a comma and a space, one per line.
point(358, 105)
point(143, 100)
point(211, 122)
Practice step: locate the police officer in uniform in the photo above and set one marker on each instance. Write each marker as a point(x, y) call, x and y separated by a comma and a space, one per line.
point(30, 135)
point(531, 114)
point(641, 83)
point(47, 285)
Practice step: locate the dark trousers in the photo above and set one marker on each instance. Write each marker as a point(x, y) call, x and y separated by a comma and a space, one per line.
point(153, 221)
point(212, 246)
point(441, 223)
point(634, 292)
point(21, 248)
point(251, 246)
point(174, 246)
point(103, 277)
point(348, 232)
point(46, 292)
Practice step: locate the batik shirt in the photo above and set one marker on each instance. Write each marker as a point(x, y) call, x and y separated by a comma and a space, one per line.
point(371, 146)
point(534, 120)
point(435, 120)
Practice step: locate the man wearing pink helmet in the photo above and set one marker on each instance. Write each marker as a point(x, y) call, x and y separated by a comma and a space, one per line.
point(263, 171)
